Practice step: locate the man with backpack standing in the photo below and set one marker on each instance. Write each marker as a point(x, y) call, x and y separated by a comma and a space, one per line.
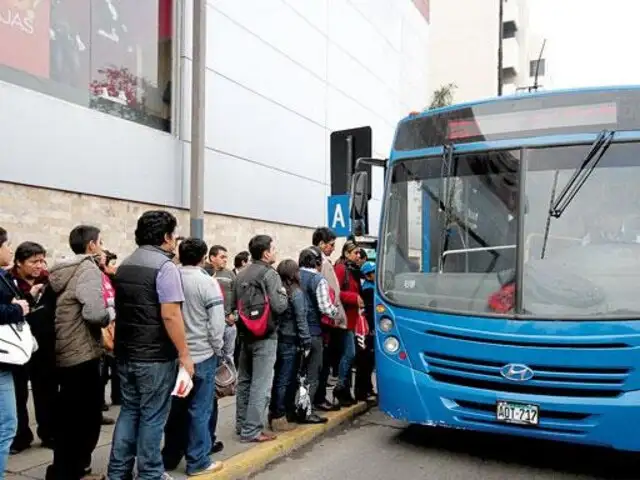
point(260, 296)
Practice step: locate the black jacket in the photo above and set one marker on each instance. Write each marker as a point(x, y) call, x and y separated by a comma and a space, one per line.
point(9, 314)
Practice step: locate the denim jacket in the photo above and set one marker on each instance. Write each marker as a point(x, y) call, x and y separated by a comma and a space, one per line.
point(292, 324)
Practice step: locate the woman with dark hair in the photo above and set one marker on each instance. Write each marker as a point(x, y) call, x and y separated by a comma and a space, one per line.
point(348, 273)
point(293, 335)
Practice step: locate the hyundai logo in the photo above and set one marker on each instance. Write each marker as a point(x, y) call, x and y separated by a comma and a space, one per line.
point(516, 372)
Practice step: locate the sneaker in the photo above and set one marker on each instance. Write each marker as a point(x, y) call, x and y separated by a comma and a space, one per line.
point(166, 476)
point(213, 468)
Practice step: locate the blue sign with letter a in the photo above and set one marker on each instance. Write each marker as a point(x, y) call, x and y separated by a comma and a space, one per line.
point(338, 214)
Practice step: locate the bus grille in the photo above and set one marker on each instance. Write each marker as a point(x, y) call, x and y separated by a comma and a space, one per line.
point(593, 382)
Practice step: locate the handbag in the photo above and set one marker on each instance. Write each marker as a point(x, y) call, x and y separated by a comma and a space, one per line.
point(17, 344)
point(226, 380)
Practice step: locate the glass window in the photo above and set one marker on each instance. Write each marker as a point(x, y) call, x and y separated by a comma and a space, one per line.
point(450, 232)
point(533, 66)
point(111, 55)
point(587, 261)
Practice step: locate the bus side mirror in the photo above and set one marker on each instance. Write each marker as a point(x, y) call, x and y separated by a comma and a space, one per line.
point(359, 199)
point(359, 195)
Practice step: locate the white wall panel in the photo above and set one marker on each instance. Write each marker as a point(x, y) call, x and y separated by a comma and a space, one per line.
point(279, 25)
point(244, 58)
point(355, 81)
point(51, 143)
point(385, 16)
point(243, 124)
point(349, 29)
point(241, 188)
point(315, 12)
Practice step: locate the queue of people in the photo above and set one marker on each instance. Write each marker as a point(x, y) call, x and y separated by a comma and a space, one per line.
point(173, 306)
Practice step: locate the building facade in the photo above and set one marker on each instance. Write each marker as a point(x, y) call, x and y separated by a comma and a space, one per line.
point(96, 109)
point(463, 47)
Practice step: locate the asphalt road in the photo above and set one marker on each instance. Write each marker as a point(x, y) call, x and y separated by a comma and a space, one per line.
point(376, 448)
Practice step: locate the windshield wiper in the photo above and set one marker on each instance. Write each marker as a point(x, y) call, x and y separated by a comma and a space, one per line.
point(582, 173)
point(557, 206)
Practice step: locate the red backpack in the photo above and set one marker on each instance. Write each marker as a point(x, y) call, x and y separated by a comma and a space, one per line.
point(254, 309)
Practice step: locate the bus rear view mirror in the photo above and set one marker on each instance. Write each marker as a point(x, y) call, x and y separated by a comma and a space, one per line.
point(359, 195)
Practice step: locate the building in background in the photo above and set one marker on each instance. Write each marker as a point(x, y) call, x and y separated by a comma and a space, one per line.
point(464, 42)
point(96, 110)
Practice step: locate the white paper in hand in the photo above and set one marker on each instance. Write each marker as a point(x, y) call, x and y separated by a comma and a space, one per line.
point(184, 384)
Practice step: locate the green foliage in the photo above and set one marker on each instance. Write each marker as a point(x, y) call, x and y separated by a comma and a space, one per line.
point(443, 96)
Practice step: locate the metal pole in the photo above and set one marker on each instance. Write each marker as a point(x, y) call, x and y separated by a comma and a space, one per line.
point(198, 118)
point(500, 38)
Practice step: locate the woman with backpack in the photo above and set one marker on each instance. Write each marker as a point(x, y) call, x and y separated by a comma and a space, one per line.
point(293, 335)
point(348, 273)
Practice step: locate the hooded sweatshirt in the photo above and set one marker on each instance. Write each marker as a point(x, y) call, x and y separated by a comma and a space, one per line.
point(80, 310)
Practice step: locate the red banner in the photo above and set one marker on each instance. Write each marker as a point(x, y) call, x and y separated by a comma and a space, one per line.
point(24, 35)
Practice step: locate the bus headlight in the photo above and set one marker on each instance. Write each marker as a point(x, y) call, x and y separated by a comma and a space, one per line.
point(391, 345)
point(386, 324)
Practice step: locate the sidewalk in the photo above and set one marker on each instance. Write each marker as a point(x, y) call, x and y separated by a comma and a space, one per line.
point(32, 463)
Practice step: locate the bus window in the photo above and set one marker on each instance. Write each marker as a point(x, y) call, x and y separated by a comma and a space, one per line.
point(450, 228)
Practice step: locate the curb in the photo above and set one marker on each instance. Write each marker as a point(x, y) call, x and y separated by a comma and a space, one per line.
point(255, 459)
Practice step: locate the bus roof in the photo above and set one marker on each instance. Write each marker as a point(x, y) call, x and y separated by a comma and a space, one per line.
point(522, 116)
point(520, 96)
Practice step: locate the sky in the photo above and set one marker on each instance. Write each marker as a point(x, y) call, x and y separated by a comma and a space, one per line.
point(590, 43)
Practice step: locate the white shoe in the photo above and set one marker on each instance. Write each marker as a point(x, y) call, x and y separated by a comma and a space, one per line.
point(213, 468)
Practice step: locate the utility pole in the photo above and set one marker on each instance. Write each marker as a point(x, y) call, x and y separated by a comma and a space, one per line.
point(500, 38)
point(198, 86)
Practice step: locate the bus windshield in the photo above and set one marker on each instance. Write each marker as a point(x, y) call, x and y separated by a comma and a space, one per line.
point(451, 234)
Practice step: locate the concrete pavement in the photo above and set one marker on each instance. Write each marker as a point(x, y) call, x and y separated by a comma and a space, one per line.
point(240, 459)
point(377, 448)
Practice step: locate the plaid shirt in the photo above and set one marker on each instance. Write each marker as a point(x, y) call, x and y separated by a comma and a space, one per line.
point(325, 305)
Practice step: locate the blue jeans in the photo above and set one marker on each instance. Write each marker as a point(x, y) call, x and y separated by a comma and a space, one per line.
point(346, 361)
point(8, 418)
point(255, 378)
point(284, 380)
point(187, 430)
point(146, 399)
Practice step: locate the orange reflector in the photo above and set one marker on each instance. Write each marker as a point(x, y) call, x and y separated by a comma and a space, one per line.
point(380, 309)
point(414, 113)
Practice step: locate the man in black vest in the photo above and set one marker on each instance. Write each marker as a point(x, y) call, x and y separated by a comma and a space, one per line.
point(150, 337)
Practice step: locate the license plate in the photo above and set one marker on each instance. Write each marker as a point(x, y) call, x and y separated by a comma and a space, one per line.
point(518, 413)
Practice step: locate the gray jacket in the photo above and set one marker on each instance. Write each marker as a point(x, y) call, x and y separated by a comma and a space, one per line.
point(80, 310)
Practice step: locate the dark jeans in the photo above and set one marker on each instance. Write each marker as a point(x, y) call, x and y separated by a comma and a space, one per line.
point(315, 365)
point(364, 369)
point(110, 372)
point(284, 380)
point(255, 378)
point(44, 385)
point(331, 350)
point(78, 420)
point(145, 389)
point(187, 430)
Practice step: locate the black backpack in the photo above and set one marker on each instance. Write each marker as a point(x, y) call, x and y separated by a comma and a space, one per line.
point(252, 302)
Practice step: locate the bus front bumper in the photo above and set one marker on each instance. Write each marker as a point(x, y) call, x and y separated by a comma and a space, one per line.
point(413, 396)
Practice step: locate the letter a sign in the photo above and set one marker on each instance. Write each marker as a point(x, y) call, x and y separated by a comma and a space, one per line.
point(338, 215)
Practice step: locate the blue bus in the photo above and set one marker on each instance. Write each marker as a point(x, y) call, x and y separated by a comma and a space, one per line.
point(508, 268)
